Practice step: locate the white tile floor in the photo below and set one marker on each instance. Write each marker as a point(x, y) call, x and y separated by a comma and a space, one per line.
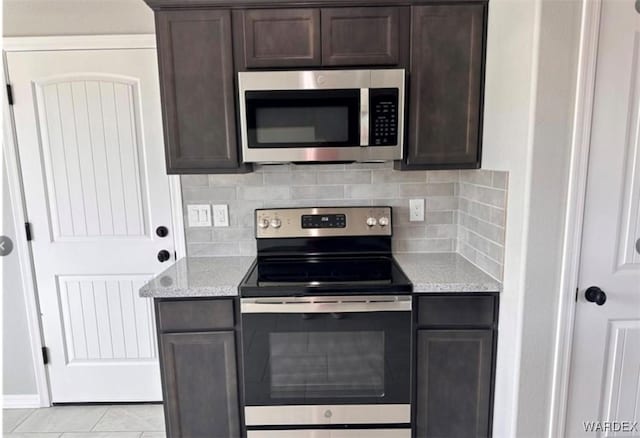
point(116, 421)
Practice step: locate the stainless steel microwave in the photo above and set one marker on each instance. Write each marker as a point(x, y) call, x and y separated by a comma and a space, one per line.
point(322, 116)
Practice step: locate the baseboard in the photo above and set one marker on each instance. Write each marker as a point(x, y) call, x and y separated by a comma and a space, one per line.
point(15, 401)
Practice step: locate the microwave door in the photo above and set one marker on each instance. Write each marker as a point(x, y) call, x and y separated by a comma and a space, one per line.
point(284, 119)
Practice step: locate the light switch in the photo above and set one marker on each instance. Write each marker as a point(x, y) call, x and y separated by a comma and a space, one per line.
point(199, 215)
point(220, 215)
point(416, 210)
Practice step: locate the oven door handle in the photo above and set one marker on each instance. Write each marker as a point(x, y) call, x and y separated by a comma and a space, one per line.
point(329, 305)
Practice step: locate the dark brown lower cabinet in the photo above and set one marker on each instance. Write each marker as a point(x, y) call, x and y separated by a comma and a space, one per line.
point(454, 383)
point(455, 360)
point(199, 374)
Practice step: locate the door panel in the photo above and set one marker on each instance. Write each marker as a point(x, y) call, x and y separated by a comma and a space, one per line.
point(90, 145)
point(605, 369)
point(362, 36)
point(103, 318)
point(88, 127)
point(454, 383)
point(446, 86)
point(278, 37)
point(201, 384)
point(196, 71)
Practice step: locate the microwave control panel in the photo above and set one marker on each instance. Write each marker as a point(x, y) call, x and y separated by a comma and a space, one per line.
point(383, 116)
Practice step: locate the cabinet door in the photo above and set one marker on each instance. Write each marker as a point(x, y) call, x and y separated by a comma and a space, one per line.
point(200, 385)
point(196, 77)
point(280, 37)
point(446, 83)
point(363, 36)
point(454, 383)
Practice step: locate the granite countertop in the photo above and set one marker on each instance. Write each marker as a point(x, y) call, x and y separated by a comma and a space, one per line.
point(445, 272)
point(221, 276)
point(199, 277)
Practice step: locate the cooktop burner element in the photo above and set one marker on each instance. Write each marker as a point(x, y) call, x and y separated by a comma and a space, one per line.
point(303, 251)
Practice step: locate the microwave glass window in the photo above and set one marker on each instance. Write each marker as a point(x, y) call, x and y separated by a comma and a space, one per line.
point(327, 364)
point(311, 124)
point(303, 118)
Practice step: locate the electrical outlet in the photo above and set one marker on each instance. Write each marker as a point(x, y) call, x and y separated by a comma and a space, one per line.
point(416, 210)
point(220, 215)
point(199, 215)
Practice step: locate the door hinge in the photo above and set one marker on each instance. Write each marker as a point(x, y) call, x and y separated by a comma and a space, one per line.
point(175, 255)
point(45, 355)
point(10, 94)
point(27, 229)
point(576, 294)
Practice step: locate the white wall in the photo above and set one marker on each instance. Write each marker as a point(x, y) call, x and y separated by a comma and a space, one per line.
point(507, 114)
point(531, 71)
point(76, 17)
point(18, 377)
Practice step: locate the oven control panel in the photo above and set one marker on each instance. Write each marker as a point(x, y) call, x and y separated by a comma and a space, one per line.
point(323, 222)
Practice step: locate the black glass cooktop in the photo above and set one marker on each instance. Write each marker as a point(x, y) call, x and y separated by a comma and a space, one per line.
point(290, 276)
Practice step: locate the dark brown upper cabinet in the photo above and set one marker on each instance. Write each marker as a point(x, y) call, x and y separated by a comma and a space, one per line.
point(365, 36)
point(315, 37)
point(197, 89)
point(446, 87)
point(278, 37)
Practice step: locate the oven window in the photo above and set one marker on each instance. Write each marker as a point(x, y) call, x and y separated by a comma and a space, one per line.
point(303, 118)
point(327, 364)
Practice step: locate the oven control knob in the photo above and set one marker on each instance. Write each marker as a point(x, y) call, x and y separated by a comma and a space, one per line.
point(372, 221)
point(275, 223)
point(263, 223)
point(383, 221)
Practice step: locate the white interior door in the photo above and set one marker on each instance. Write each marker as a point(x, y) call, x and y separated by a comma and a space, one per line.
point(605, 370)
point(89, 134)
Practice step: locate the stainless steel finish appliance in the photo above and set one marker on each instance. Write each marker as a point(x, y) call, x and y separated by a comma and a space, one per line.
point(326, 325)
point(331, 433)
point(322, 116)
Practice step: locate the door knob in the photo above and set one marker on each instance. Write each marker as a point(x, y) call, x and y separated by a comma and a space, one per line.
point(595, 295)
point(163, 255)
point(162, 231)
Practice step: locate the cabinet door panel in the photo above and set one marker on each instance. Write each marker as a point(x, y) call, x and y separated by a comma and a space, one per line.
point(361, 36)
point(446, 86)
point(281, 37)
point(200, 385)
point(196, 76)
point(454, 383)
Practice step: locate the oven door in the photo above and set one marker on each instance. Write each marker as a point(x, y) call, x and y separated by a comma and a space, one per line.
point(329, 360)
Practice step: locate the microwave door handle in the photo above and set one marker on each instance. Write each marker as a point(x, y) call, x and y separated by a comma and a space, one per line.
point(364, 117)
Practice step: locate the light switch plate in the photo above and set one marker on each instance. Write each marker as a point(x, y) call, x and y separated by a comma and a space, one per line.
point(220, 215)
point(199, 215)
point(416, 210)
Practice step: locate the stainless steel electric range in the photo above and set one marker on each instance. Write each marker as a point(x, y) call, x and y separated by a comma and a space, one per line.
point(326, 326)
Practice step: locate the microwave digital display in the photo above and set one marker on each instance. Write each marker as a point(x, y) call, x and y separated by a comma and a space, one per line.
point(324, 221)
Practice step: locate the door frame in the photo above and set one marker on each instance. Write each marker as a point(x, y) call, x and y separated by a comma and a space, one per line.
point(576, 198)
point(16, 191)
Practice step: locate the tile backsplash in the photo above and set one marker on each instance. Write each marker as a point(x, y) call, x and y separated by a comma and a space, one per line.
point(464, 210)
point(482, 199)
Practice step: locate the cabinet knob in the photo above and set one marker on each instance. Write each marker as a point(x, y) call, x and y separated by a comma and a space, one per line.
point(163, 255)
point(162, 231)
